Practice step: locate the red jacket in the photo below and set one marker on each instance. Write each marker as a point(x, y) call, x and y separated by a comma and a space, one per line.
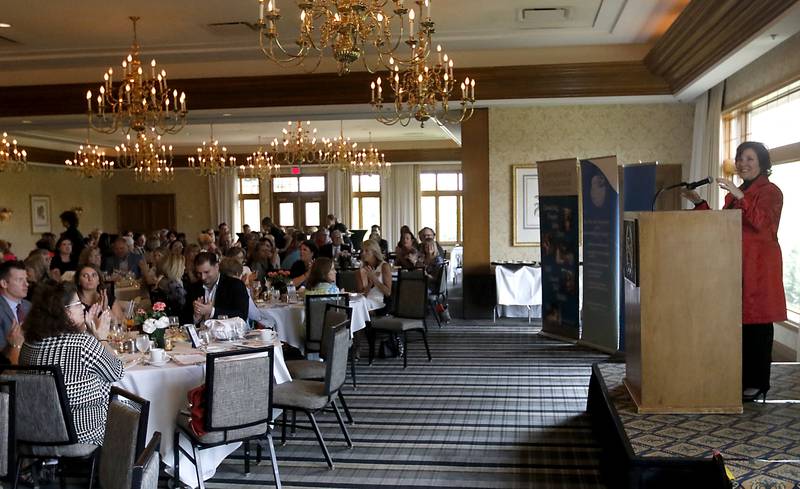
point(763, 299)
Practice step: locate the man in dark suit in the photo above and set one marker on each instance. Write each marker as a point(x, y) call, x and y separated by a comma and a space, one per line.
point(13, 308)
point(215, 294)
point(337, 250)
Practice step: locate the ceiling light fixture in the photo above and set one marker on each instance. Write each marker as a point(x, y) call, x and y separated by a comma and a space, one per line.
point(90, 161)
point(11, 156)
point(260, 164)
point(340, 152)
point(211, 158)
point(141, 101)
point(150, 159)
point(299, 145)
point(370, 161)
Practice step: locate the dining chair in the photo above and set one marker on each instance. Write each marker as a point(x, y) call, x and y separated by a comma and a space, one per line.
point(409, 313)
point(238, 399)
point(144, 473)
point(7, 435)
point(346, 279)
point(314, 370)
point(438, 292)
point(315, 317)
point(124, 439)
point(310, 396)
point(43, 419)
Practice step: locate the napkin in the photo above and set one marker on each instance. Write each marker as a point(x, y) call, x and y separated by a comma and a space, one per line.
point(225, 329)
point(189, 359)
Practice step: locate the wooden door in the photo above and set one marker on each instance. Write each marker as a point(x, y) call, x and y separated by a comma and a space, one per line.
point(300, 210)
point(145, 213)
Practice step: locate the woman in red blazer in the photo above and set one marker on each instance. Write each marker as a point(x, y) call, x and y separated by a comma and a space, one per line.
point(763, 299)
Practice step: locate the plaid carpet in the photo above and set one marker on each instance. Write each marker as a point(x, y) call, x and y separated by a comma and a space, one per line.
point(499, 407)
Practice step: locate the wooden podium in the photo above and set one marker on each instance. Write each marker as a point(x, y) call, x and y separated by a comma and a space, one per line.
point(683, 311)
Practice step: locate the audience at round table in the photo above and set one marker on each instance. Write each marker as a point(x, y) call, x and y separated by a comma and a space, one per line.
point(169, 288)
point(264, 258)
point(322, 277)
point(374, 278)
point(64, 260)
point(406, 253)
point(301, 268)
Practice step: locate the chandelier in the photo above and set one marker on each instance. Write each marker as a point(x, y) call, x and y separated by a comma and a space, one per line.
point(211, 159)
point(349, 28)
point(150, 159)
point(340, 153)
point(422, 92)
point(260, 165)
point(140, 101)
point(299, 145)
point(90, 161)
point(370, 161)
point(11, 157)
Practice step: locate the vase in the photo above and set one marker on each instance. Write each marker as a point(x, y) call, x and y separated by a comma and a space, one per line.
point(157, 337)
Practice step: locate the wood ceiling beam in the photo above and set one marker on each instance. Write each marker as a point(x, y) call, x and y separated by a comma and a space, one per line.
point(494, 83)
point(705, 33)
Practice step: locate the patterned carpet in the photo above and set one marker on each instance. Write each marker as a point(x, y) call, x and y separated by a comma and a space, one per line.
point(760, 446)
point(499, 407)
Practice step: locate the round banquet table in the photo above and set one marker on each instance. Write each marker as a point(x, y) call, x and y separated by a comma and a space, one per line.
point(166, 387)
point(289, 319)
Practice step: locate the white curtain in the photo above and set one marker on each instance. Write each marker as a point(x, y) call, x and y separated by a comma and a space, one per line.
point(224, 195)
point(339, 192)
point(399, 200)
point(706, 157)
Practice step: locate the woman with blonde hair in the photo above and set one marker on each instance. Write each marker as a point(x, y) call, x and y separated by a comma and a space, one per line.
point(91, 256)
point(169, 288)
point(374, 278)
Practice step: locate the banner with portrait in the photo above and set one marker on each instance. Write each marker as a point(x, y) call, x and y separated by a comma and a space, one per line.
point(601, 263)
point(559, 225)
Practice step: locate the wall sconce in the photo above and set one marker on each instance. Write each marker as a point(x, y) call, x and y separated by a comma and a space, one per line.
point(5, 214)
point(77, 210)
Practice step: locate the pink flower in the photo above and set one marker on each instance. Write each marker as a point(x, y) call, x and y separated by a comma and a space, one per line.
point(159, 307)
point(141, 311)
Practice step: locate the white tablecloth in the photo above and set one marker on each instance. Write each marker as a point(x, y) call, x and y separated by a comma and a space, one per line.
point(289, 319)
point(456, 261)
point(166, 387)
point(517, 289)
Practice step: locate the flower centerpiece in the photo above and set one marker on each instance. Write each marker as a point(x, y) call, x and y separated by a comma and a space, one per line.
point(278, 279)
point(154, 323)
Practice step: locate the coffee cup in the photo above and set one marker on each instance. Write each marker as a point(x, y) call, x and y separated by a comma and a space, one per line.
point(158, 355)
point(266, 335)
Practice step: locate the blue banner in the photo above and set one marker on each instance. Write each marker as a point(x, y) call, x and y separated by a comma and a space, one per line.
point(601, 265)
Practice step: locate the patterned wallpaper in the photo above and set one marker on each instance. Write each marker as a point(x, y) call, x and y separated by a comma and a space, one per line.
point(632, 132)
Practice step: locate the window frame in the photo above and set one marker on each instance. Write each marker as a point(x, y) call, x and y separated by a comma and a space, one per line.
point(244, 197)
point(459, 194)
point(359, 195)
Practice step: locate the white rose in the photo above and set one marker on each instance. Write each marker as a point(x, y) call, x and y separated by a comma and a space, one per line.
point(149, 326)
point(162, 322)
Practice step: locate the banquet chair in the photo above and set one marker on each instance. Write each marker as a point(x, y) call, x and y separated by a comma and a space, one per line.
point(315, 317)
point(7, 435)
point(144, 473)
point(238, 408)
point(43, 419)
point(438, 293)
point(314, 370)
point(346, 279)
point(310, 396)
point(409, 314)
point(124, 439)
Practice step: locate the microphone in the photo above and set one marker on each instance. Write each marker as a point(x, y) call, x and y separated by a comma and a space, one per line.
point(699, 183)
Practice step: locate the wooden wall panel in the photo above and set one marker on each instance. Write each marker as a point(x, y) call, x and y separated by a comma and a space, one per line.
point(475, 168)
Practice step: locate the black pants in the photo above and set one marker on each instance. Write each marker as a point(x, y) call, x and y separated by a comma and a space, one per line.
point(756, 355)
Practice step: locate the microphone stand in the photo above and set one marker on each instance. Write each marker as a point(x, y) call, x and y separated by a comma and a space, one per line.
point(669, 187)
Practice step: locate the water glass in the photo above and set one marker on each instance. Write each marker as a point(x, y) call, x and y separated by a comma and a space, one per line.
point(173, 321)
point(143, 343)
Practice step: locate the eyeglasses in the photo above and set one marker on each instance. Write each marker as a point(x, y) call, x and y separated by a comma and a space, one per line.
point(77, 303)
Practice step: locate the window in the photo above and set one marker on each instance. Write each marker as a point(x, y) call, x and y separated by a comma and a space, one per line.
point(441, 204)
point(299, 202)
point(249, 211)
point(366, 208)
point(772, 120)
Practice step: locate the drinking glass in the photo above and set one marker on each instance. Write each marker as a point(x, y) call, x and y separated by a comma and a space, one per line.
point(173, 321)
point(143, 343)
point(116, 334)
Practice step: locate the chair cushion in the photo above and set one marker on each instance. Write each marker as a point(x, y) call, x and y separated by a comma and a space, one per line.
point(388, 323)
point(213, 437)
point(302, 394)
point(306, 369)
point(75, 450)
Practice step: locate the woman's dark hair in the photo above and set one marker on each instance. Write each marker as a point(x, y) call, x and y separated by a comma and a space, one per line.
point(44, 244)
point(48, 316)
point(69, 217)
point(762, 153)
point(403, 234)
point(78, 276)
point(319, 272)
point(61, 240)
point(311, 246)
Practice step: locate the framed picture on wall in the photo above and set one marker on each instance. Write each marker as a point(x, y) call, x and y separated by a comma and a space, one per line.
point(525, 205)
point(40, 214)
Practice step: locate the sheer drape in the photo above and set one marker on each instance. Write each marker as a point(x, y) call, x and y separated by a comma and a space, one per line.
point(224, 195)
point(339, 192)
point(399, 198)
point(706, 157)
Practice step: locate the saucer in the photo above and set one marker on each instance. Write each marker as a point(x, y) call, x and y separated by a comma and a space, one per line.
point(158, 364)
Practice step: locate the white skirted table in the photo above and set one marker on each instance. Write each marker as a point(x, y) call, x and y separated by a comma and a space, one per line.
point(519, 290)
point(166, 387)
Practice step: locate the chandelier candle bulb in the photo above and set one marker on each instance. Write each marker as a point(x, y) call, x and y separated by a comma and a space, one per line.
point(411, 23)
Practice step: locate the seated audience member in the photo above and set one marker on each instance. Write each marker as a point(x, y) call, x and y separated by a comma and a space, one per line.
point(375, 233)
point(37, 272)
point(91, 256)
point(48, 242)
point(406, 253)
point(175, 247)
point(427, 233)
point(321, 237)
point(322, 278)
point(89, 288)
point(169, 288)
point(122, 260)
point(233, 268)
point(14, 308)
point(374, 278)
point(268, 227)
point(56, 334)
point(215, 294)
point(301, 268)
point(149, 265)
point(189, 276)
point(334, 224)
point(337, 249)
point(264, 258)
point(206, 243)
point(5, 251)
point(139, 241)
point(69, 219)
point(238, 254)
point(292, 252)
point(430, 260)
point(63, 259)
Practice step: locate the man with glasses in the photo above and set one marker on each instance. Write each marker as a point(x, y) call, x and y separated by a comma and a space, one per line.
point(13, 308)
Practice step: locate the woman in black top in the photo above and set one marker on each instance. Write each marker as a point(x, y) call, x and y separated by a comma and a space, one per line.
point(70, 221)
point(63, 261)
point(301, 268)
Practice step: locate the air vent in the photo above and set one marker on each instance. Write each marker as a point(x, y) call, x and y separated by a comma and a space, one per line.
point(543, 17)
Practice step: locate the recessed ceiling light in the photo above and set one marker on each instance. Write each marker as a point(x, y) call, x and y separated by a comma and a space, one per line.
point(26, 121)
point(226, 115)
point(4, 25)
